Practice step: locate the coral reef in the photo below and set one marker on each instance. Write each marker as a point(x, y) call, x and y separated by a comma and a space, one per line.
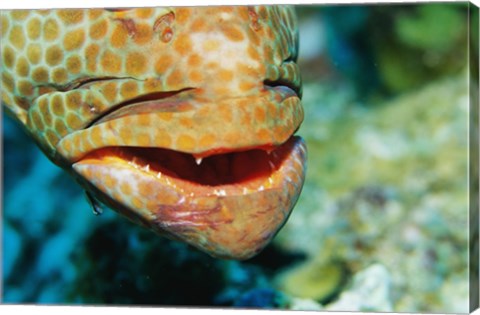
point(388, 186)
point(370, 291)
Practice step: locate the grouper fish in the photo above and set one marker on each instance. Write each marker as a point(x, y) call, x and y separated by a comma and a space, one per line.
point(182, 119)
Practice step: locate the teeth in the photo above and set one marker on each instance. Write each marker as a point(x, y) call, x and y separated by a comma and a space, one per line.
point(134, 162)
point(261, 188)
point(147, 168)
point(272, 166)
point(198, 160)
point(159, 175)
point(220, 192)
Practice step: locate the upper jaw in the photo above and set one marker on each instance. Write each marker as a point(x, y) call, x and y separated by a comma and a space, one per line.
point(193, 123)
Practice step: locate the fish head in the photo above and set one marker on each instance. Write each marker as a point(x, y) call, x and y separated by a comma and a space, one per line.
point(181, 119)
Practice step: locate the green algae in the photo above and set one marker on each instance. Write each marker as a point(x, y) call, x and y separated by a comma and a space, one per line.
point(408, 58)
point(314, 281)
point(434, 35)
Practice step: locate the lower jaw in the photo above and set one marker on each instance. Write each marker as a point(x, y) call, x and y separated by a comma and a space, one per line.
point(229, 206)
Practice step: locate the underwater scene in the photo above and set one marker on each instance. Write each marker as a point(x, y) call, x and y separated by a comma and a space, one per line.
point(382, 219)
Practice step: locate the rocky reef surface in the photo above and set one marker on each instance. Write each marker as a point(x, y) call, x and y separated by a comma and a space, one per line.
point(387, 187)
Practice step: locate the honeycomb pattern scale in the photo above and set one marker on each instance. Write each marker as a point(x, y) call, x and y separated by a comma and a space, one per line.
point(108, 93)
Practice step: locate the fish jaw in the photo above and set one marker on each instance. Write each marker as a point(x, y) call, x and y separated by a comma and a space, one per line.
point(193, 124)
point(233, 220)
point(227, 196)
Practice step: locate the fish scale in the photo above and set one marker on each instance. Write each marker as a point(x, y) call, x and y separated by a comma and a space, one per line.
point(90, 84)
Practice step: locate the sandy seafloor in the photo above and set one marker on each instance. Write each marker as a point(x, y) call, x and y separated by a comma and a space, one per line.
point(382, 222)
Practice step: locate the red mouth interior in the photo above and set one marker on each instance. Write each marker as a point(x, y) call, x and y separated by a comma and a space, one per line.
point(219, 169)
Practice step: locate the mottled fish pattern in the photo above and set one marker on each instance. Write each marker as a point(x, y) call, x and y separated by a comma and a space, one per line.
point(180, 118)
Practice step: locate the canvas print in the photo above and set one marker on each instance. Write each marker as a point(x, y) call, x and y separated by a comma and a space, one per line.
point(291, 157)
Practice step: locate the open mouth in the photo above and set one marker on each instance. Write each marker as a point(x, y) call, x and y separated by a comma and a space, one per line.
point(225, 181)
point(230, 205)
point(217, 170)
point(233, 172)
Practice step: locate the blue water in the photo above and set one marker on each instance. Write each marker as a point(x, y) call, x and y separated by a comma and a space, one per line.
point(45, 221)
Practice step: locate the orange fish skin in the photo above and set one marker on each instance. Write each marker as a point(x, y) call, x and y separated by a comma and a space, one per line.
point(179, 118)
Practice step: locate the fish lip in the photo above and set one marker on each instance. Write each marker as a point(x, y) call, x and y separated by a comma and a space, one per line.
point(286, 91)
point(283, 87)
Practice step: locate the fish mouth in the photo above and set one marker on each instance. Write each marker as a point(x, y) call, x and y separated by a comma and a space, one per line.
point(230, 205)
point(217, 166)
point(238, 173)
point(227, 197)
